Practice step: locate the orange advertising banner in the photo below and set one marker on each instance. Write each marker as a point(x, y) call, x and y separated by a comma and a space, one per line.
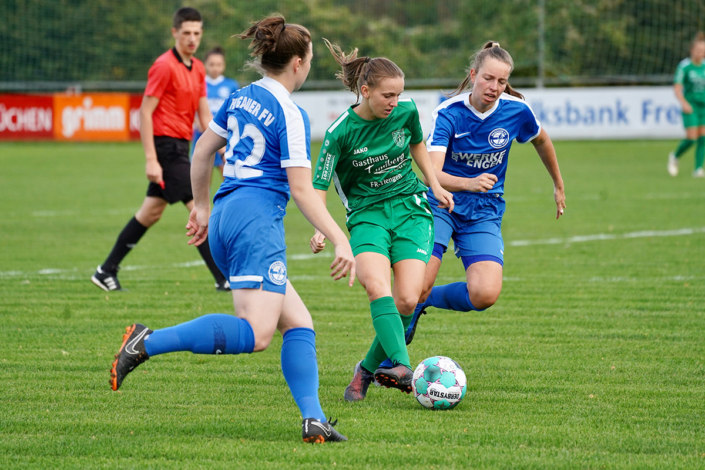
point(92, 117)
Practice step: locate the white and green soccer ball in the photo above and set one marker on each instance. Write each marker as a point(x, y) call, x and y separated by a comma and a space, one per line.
point(439, 383)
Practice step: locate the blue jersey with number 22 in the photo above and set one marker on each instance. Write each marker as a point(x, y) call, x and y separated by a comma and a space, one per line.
point(475, 142)
point(266, 133)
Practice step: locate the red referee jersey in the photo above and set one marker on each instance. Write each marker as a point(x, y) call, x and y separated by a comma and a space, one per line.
point(179, 90)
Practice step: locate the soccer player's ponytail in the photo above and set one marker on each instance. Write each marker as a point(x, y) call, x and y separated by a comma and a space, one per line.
point(357, 71)
point(492, 50)
point(275, 43)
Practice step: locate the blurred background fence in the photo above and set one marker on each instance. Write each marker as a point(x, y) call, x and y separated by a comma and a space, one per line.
point(107, 45)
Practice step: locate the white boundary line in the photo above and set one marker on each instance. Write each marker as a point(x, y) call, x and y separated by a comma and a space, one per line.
point(610, 236)
point(308, 256)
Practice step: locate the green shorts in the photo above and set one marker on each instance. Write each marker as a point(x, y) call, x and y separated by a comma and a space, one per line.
point(399, 228)
point(696, 118)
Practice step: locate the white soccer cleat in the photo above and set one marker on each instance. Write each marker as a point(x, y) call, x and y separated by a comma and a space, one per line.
point(699, 173)
point(672, 164)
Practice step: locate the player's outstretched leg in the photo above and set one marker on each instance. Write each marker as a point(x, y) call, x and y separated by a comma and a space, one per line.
point(210, 334)
point(131, 354)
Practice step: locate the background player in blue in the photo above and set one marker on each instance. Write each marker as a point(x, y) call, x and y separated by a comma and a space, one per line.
point(268, 158)
point(469, 145)
point(218, 89)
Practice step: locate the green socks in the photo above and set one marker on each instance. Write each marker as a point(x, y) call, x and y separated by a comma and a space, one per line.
point(700, 153)
point(389, 342)
point(683, 146)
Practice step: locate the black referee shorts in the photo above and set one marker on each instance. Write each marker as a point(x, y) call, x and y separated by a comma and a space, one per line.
point(172, 155)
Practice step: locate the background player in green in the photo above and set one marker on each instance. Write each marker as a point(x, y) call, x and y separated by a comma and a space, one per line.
point(690, 90)
point(367, 154)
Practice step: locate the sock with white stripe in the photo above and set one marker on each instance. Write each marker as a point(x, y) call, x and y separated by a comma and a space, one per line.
point(216, 333)
point(128, 238)
point(300, 368)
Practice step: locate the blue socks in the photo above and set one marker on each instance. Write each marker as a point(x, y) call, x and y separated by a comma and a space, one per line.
point(226, 334)
point(300, 369)
point(216, 333)
point(450, 297)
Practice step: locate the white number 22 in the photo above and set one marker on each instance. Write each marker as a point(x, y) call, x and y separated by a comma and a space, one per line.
point(242, 169)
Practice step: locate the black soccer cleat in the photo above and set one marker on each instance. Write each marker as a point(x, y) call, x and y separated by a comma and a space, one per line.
point(357, 389)
point(315, 432)
point(106, 280)
point(411, 331)
point(222, 286)
point(398, 377)
point(131, 354)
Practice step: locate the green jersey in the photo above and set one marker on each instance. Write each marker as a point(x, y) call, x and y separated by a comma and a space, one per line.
point(692, 77)
point(369, 161)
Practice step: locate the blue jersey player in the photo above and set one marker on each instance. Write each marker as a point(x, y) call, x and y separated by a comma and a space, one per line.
point(469, 145)
point(218, 89)
point(267, 159)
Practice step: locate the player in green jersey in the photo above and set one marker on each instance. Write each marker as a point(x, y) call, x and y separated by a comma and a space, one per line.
point(367, 154)
point(690, 90)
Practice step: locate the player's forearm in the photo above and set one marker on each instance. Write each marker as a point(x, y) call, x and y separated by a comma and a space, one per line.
point(322, 195)
point(547, 153)
point(423, 161)
point(678, 91)
point(147, 135)
point(202, 166)
point(452, 183)
point(312, 206)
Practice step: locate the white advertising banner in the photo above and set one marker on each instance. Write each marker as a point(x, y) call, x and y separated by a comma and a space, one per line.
point(565, 113)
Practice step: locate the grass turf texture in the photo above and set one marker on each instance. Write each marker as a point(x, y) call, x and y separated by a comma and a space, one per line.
point(591, 358)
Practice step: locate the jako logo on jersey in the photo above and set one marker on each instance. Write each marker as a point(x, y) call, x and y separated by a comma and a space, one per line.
point(99, 118)
point(498, 138)
point(359, 151)
point(419, 250)
point(399, 137)
point(277, 273)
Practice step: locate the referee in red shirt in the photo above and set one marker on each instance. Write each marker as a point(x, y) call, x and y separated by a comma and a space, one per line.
point(176, 89)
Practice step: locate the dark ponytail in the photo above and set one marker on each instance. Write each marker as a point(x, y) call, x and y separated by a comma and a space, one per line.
point(275, 43)
point(357, 71)
point(492, 50)
point(217, 50)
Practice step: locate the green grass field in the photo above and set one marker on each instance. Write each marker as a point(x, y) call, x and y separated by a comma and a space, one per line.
point(593, 357)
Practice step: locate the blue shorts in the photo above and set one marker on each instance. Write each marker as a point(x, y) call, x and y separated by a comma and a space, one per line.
point(218, 162)
point(246, 236)
point(475, 225)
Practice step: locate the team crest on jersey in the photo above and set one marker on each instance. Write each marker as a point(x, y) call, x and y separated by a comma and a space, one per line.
point(223, 92)
point(277, 273)
point(399, 137)
point(498, 138)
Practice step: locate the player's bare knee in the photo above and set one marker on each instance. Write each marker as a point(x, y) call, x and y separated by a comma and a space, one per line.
point(148, 218)
point(406, 305)
point(262, 342)
point(376, 289)
point(483, 299)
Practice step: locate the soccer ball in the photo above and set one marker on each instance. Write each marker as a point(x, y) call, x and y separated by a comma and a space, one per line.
point(439, 383)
